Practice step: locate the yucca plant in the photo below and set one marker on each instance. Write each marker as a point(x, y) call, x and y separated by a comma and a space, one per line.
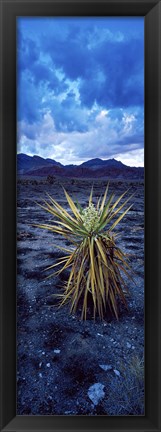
point(97, 265)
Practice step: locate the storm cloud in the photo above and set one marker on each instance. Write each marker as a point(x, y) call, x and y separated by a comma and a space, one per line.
point(80, 88)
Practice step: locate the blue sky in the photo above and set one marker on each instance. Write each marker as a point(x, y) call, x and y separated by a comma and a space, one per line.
point(80, 88)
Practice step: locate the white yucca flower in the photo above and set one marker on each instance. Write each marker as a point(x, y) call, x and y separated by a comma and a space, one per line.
point(90, 216)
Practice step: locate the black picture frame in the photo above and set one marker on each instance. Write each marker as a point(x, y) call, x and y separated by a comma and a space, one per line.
point(151, 10)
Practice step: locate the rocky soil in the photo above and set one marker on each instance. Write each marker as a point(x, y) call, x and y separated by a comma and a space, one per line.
point(66, 366)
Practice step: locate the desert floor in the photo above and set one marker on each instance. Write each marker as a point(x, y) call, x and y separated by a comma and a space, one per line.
point(60, 357)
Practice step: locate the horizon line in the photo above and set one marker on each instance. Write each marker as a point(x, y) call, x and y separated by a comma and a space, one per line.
point(80, 163)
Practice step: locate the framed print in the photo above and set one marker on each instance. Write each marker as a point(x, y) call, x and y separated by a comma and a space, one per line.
point(80, 310)
point(80, 218)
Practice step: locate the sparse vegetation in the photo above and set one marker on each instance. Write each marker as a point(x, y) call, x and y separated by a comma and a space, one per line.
point(51, 179)
point(128, 390)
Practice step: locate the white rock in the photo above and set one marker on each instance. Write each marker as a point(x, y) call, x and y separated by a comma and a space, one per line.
point(48, 364)
point(50, 398)
point(105, 367)
point(57, 351)
point(116, 372)
point(99, 334)
point(96, 393)
point(128, 345)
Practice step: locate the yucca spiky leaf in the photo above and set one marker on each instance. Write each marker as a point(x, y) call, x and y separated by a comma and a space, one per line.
point(97, 265)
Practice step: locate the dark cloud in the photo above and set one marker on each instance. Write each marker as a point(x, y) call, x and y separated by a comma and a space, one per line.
point(27, 51)
point(68, 56)
point(34, 79)
point(111, 71)
point(69, 115)
point(121, 66)
point(28, 100)
point(75, 70)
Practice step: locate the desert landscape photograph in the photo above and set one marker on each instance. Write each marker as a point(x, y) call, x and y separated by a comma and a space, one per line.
point(80, 216)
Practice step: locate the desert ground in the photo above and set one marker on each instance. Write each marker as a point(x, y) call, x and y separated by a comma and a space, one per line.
point(66, 366)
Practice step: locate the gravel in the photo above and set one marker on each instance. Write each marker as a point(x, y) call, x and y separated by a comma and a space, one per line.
point(61, 360)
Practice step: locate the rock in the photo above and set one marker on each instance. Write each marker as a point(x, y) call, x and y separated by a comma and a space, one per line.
point(96, 393)
point(48, 365)
point(116, 372)
point(105, 367)
point(128, 345)
point(99, 334)
point(57, 351)
point(49, 399)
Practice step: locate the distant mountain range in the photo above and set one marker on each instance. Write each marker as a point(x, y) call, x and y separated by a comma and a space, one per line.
point(110, 168)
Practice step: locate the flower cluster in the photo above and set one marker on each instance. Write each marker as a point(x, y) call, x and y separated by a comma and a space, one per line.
point(90, 216)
